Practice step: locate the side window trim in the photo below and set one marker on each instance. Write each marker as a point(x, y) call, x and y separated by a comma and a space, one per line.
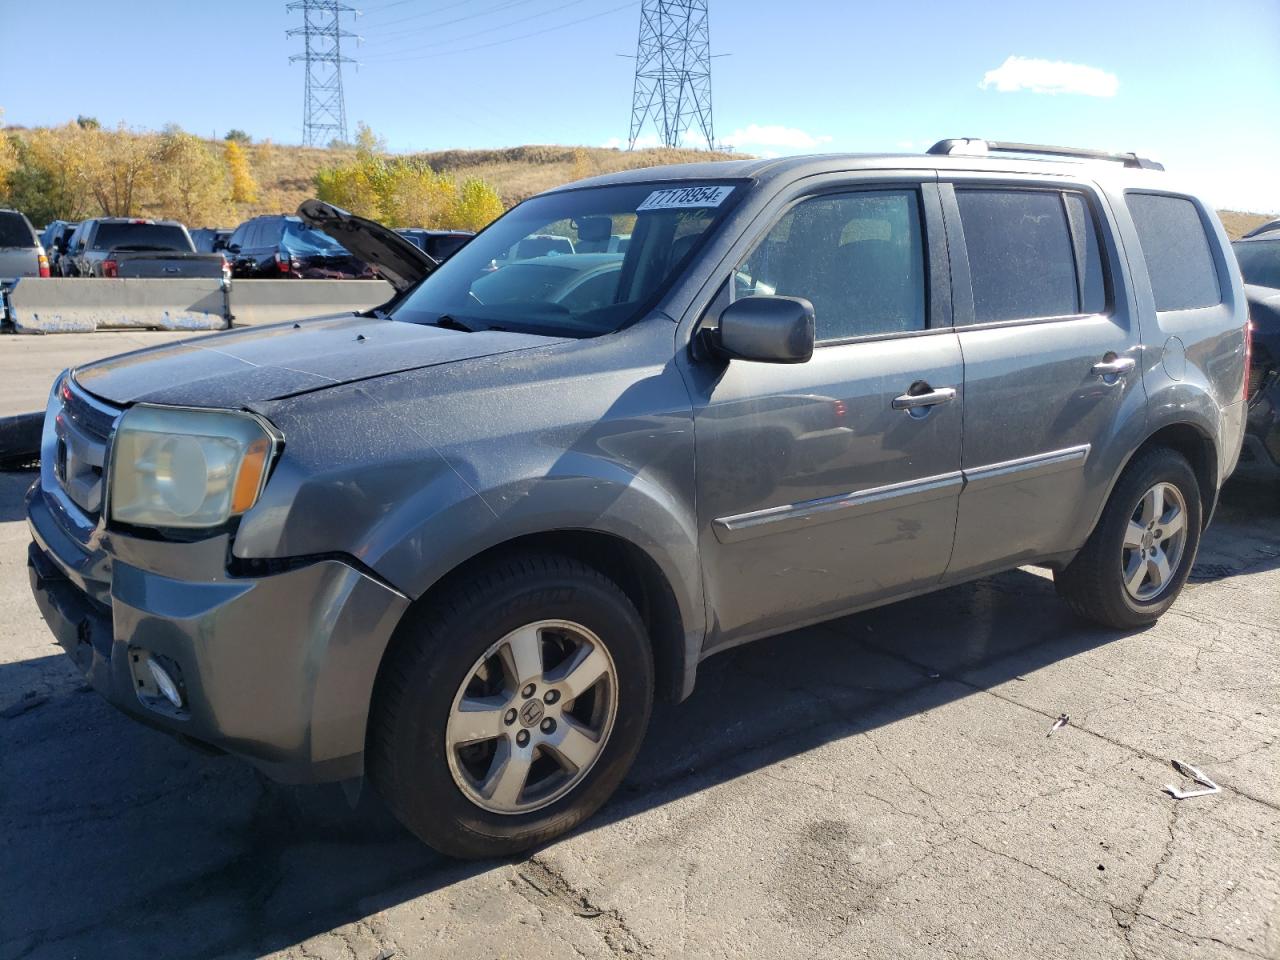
point(958, 252)
point(937, 292)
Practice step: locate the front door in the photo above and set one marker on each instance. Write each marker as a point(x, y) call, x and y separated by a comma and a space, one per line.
point(1052, 391)
point(831, 484)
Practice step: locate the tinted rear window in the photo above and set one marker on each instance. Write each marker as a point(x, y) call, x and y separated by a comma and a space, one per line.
point(1021, 254)
point(1179, 259)
point(1259, 262)
point(15, 231)
point(141, 236)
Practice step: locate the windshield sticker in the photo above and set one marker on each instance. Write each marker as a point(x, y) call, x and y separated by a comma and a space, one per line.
point(674, 199)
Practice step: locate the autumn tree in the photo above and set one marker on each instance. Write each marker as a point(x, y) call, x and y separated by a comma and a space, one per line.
point(237, 135)
point(49, 179)
point(191, 184)
point(121, 169)
point(477, 205)
point(244, 189)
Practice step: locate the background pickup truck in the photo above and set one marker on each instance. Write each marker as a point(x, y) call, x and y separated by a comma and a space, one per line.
point(118, 247)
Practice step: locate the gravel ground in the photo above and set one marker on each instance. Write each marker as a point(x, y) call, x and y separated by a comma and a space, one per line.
point(882, 786)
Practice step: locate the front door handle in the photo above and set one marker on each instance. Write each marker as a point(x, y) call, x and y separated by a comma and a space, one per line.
point(914, 401)
point(1115, 367)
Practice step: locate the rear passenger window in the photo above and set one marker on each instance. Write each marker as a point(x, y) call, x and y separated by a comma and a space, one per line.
point(1179, 260)
point(1090, 282)
point(1021, 254)
point(858, 258)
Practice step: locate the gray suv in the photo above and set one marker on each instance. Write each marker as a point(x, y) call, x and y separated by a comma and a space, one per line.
point(456, 545)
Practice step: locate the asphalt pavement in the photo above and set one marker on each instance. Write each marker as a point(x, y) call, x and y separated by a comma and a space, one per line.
point(884, 786)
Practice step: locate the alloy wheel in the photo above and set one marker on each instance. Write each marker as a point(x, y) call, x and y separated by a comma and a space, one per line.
point(532, 717)
point(1154, 541)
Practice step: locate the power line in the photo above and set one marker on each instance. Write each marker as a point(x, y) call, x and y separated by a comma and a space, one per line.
point(673, 71)
point(523, 36)
point(445, 23)
point(487, 30)
point(324, 115)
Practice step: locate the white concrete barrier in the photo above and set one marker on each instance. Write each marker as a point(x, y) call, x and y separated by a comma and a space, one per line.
point(272, 301)
point(66, 305)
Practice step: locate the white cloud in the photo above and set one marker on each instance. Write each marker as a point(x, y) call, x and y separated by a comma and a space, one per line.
point(1050, 76)
point(756, 136)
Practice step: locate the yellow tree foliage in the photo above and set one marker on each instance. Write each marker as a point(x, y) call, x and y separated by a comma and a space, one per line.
point(190, 182)
point(476, 206)
point(244, 189)
point(121, 168)
point(417, 195)
point(350, 187)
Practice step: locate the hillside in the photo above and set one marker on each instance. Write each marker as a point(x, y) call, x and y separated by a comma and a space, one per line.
point(286, 173)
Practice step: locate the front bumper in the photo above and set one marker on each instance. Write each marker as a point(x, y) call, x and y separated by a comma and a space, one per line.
point(278, 669)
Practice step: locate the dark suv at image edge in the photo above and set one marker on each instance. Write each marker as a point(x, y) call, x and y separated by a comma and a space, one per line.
point(457, 544)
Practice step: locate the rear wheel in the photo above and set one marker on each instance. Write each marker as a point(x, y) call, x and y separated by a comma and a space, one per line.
point(511, 706)
point(1138, 558)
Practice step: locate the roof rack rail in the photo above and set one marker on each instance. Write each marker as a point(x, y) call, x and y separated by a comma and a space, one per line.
point(972, 146)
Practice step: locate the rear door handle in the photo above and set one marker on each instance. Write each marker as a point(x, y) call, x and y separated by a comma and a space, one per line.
point(914, 401)
point(1116, 367)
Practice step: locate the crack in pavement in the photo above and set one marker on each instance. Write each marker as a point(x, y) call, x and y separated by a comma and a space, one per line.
point(542, 885)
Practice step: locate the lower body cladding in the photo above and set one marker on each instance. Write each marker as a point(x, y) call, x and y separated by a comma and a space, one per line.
point(277, 669)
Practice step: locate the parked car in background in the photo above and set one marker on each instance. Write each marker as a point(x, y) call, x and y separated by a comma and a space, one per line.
point(277, 247)
point(124, 247)
point(458, 544)
point(440, 244)
point(210, 239)
point(1259, 255)
point(54, 240)
point(21, 254)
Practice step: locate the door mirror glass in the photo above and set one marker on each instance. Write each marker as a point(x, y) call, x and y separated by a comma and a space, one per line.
point(767, 330)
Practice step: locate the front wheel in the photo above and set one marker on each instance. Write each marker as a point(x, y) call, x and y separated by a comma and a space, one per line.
point(511, 706)
point(1138, 558)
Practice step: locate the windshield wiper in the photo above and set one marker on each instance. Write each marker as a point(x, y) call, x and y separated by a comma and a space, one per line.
point(453, 323)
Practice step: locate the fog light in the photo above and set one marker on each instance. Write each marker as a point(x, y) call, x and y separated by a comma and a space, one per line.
point(164, 683)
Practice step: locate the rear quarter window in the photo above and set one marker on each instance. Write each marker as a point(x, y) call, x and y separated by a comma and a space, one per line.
point(1176, 249)
point(16, 231)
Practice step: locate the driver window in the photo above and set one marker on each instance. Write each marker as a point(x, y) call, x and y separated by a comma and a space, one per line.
point(858, 258)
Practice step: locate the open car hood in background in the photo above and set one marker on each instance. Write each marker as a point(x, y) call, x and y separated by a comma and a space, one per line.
point(397, 260)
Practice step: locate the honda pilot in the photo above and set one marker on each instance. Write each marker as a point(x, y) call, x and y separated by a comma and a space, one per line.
point(456, 545)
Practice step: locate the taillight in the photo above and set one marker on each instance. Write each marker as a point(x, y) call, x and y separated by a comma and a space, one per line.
point(1248, 356)
point(282, 263)
point(44, 265)
point(110, 268)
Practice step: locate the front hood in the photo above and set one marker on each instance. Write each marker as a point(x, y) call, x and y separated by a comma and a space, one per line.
point(267, 363)
point(400, 262)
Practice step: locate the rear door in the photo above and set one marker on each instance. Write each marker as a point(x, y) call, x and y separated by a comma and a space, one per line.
point(1053, 399)
point(820, 486)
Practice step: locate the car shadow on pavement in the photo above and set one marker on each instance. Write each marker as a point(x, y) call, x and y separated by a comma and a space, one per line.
point(118, 841)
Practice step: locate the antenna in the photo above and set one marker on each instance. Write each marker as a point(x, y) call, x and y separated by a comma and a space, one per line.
point(673, 71)
point(324, 114)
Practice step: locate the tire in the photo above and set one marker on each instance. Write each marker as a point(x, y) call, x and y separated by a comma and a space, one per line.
point(1094, 583)
point(458, 647)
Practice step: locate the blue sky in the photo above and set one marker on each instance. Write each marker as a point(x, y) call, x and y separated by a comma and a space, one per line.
point(1196, 85)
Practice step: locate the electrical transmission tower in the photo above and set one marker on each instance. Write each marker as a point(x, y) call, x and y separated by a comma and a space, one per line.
point(673, 71)
point(324, 116)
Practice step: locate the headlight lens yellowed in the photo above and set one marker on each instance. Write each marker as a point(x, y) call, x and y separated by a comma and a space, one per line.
point(176, 467)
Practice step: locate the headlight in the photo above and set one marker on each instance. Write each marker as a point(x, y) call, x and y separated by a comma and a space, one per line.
point(175, 467)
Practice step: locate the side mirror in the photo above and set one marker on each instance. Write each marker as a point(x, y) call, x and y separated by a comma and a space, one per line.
point(767, 330)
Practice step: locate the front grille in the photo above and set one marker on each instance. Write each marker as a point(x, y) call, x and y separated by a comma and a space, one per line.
point(83, 428)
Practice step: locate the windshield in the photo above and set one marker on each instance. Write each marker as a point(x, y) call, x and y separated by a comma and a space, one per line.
point(300, 238)
point(1259, 262)
point(554, 264)
point(141, 236)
